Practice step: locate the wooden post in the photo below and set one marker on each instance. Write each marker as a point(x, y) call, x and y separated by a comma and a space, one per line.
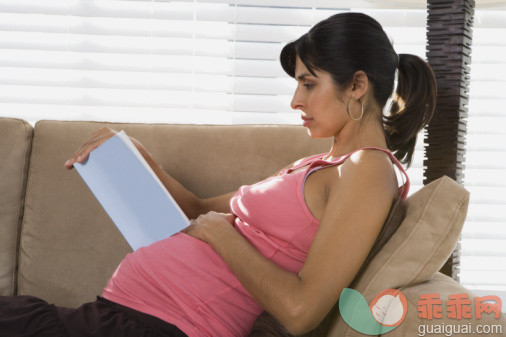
point(449, 38)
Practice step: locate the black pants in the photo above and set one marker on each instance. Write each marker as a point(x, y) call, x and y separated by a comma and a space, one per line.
point(29, 316)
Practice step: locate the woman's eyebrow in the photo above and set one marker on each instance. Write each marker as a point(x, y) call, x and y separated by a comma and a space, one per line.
point(301, 76)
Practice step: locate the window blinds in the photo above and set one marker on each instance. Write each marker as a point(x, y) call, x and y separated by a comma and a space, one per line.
point(163, 61)
point(483, 244)
point(205, 61)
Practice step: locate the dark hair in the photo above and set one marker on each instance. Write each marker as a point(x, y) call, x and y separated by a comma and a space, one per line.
point(347, 42)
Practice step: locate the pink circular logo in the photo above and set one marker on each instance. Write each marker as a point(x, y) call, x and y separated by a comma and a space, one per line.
point(389, 307)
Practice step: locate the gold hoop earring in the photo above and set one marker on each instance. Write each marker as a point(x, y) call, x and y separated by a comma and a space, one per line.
point(348, 110)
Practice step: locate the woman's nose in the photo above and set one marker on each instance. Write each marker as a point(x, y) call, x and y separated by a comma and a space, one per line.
point(297, 102)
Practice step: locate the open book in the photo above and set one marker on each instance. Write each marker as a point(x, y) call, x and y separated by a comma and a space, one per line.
point(131, 193)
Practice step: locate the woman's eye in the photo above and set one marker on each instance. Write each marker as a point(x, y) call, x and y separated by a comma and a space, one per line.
point(308, 85)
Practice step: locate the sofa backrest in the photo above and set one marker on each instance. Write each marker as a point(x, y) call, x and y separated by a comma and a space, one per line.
point(70, 247)
point(15, 147)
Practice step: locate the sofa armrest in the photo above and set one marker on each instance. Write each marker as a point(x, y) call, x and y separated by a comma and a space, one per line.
point(15, 147)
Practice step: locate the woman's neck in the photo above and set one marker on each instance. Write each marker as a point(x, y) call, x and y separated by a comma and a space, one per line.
point(351, 138)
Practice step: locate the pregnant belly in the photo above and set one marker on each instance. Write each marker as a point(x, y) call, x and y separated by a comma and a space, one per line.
point(180, 267)
point(182, 276)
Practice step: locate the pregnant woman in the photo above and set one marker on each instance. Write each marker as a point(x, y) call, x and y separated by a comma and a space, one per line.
point(288, 244)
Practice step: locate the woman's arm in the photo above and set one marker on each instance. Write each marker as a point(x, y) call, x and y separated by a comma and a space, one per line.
point(191, 205)
point(359, 201)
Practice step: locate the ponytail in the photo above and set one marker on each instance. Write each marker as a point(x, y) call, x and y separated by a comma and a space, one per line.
point(412, 107)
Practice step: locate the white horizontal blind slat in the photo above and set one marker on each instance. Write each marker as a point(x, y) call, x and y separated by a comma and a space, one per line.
point(127, 114)
point(116, 62)
point(41, 23)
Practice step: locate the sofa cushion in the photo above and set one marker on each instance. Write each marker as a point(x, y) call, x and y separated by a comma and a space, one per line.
point(15, 145)
point(70, 247)
point(435, 215)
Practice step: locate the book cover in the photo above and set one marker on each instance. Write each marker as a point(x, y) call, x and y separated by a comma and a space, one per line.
point(131, 193)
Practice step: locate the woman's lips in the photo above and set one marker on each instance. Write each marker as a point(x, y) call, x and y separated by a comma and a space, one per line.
point(306, 121)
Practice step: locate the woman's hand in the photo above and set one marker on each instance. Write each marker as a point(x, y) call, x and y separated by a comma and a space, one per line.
point(97, 138)
point(208, 226)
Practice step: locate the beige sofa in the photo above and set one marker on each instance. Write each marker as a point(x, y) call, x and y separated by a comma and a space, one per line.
point(56, 241)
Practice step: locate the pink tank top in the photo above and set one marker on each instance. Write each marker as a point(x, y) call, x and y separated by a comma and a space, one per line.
point(182, 280)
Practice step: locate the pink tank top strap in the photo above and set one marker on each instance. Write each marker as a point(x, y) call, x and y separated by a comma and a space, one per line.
point(404, 188)
point(314, 161)
point(304, 162)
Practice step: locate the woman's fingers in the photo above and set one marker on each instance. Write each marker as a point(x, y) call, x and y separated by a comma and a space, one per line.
point(78, 156)
point(69, 164)
point(82, 155)
point(98, 137)
point(230, 217)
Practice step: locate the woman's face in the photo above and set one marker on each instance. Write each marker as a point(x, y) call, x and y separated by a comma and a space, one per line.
point(317, 99)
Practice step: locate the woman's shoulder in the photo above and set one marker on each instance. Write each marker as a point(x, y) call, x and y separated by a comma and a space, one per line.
point(364, 168)
point(372, 157)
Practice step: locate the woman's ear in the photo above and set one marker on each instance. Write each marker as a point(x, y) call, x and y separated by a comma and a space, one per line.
point(360, 84)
